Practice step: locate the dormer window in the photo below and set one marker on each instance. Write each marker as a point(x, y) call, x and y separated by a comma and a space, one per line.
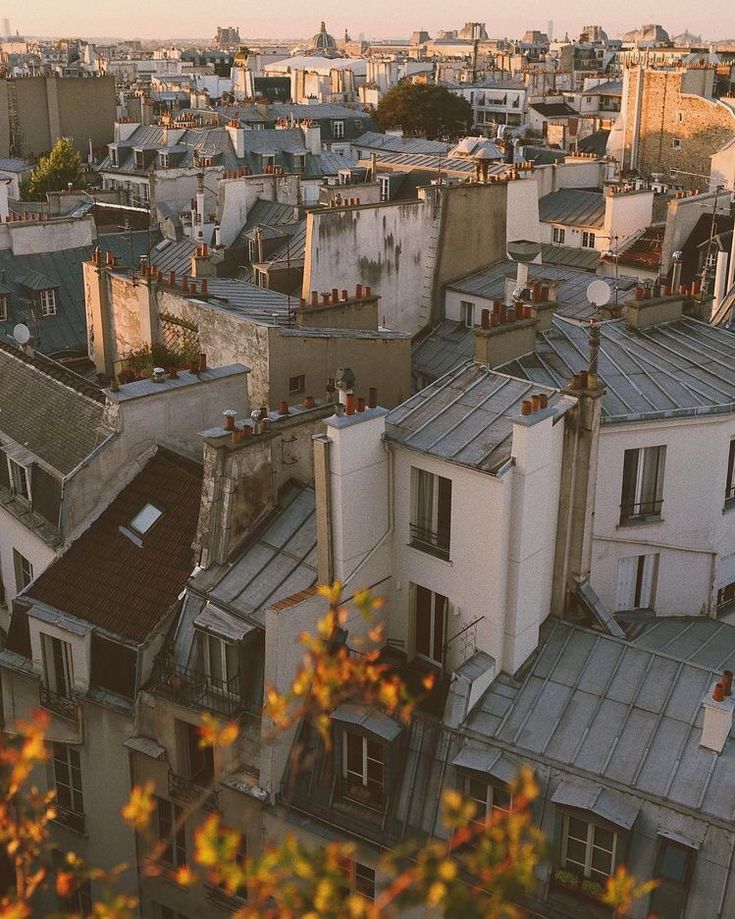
point(366, 748)
point(221, 663)
point(139, 160)
point(163, 159)
point(363, 769)
point(338, 129)
point(145, 518)
point(114, 161)
point(48, 302)
point(267, 160)
point(299, 162)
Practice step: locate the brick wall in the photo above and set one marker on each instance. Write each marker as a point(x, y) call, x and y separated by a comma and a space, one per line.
point(677, 130)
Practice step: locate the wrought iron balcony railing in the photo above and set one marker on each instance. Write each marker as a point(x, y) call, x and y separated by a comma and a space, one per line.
point(62, 705)
point(188, 791)
point(194, 688)
point(640, 510)
point(436, 542)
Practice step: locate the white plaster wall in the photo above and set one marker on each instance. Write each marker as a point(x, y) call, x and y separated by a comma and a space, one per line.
point(693, 531)
point(48, 235)
point(382, 246)
point(576, 174)
point(626, 214)
point(522, 221)
point(15, 535)
point(176, 187)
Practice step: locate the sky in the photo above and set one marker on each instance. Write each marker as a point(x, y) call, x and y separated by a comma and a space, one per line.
point(376, 19)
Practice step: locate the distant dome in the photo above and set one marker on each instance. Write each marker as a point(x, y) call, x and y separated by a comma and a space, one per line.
point(323, 41)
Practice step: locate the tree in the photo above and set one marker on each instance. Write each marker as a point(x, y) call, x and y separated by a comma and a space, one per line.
point(476, 872)
point(53, 172)
point(425, 110)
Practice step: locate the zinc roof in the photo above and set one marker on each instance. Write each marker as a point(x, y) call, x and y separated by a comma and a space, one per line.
point(676, 368)
point(465, 417)
point(49, 412)
point(574, 206)
point(626, 714)
point(395, 144)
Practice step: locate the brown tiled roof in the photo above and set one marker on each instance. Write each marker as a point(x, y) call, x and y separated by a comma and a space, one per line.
point(107, 579)
point(294, 599)
point(645, 250)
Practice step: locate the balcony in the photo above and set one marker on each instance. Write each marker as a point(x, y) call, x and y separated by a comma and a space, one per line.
point(61, 705)
point(222, 899)
point(194, 689)
point(70, 819)
point(188, 792)
point(435, 542)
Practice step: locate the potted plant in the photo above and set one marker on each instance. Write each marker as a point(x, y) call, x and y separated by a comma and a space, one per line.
point(590, 888)
point(567, 879)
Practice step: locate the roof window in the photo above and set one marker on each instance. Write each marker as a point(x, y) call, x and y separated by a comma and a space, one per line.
point(145, 518)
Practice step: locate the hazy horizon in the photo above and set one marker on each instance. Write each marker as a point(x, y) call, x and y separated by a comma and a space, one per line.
point(378, 20)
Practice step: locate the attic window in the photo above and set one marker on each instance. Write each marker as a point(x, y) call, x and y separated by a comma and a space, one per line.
point(113, 157)
point(164, 160)
point(145, 518)
point(139, 159)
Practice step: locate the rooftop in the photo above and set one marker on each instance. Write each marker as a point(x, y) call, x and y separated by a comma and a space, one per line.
point(465, 417)
point(676, 368)
point(56, 415)
point(124, 583)
point(574, 206)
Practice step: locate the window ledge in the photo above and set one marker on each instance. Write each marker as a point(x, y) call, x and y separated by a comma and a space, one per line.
point(640, 521)
point(428, 550)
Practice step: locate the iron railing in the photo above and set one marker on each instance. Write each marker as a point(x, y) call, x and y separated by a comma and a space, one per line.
point(639, 510)
point(69, 818)
point(62, 705)
point(188, 791)
point(194, 688)
point(434, 541)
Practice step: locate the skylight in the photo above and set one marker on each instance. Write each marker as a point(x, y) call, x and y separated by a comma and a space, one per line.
point(145, 518)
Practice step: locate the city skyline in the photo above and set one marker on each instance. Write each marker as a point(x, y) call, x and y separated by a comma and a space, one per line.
point(279, 21)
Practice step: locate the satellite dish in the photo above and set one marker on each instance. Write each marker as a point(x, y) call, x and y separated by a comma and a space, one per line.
point(598, 293)
point(22, 334)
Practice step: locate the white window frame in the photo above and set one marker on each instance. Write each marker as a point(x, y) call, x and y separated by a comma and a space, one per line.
point(338, 130)
point(3, 307)
point(114, 161)
point(58, 668)
point(68, 757)
point(487, 806)
point(637, 582)
point(646, 457)
point(47, 299)
point(438, 613)
point(267, 159)
point(362, 776)
point(467, 313)
point(163, 160)
point(588, 239)
point(20, 479)
point(589, 844)
point(139, 159)
point(558, 235)
point(215, 648)
point(425, 489)
point(384, 188)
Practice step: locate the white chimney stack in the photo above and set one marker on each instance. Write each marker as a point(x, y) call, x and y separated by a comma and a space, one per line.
point(717, 707)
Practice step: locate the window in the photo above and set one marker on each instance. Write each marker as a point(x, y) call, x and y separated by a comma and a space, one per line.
point(113, 157)
point(588, 849)
point(643, 483)
point(58, 673)
point(139, 159)
point(467, 313)
point(197, 761)
point(730, 480)
point(680, 117)
point(675, 862)
point(432, 513)
point(20, 480)
point(676, 143)
point(489, 799)
point(240, 859)
point(385, 188)
point(359, 879)
point(267, 159)
point(171, 831)
point(145, 518)
point(636, 588)
point(588, 240)
point(23, 571)
point(430, 617)
point(338, 130)
point(357, 124)
point(296, 385)
point(299, 162)
point(558, 234)
point(48, 302)
point(69, 802)
point(3, 307)
point(363, 769)
point(221, 663)
point(163, 160)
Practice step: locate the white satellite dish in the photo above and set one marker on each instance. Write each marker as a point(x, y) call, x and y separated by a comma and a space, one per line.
point(22, 334)
point(598, 293)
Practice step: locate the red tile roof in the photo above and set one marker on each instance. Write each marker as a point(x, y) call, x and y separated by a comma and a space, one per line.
point(108, 580)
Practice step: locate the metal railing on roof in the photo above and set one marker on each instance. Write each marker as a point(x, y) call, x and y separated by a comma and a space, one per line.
point(63, 705)
point(194, 688)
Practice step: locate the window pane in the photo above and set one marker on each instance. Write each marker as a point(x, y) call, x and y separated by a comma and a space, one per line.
point(501, 798)
point(354, 753)
point(604, 838)
point(365, 881)
point(602, 860)
point(578, 829)
point(674, 861)
point(576, 851)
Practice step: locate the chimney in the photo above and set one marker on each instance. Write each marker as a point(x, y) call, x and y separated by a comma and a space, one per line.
point(717, 711)
point(642, 314)
point(506, 340)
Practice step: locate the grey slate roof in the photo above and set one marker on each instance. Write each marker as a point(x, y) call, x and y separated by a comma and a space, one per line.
point(252, 302)
point(371, 140)
point(574, 206)
point(584, 259)
point(677, 368)
point(44, 413)
point(627, 715)
point(465, 417)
